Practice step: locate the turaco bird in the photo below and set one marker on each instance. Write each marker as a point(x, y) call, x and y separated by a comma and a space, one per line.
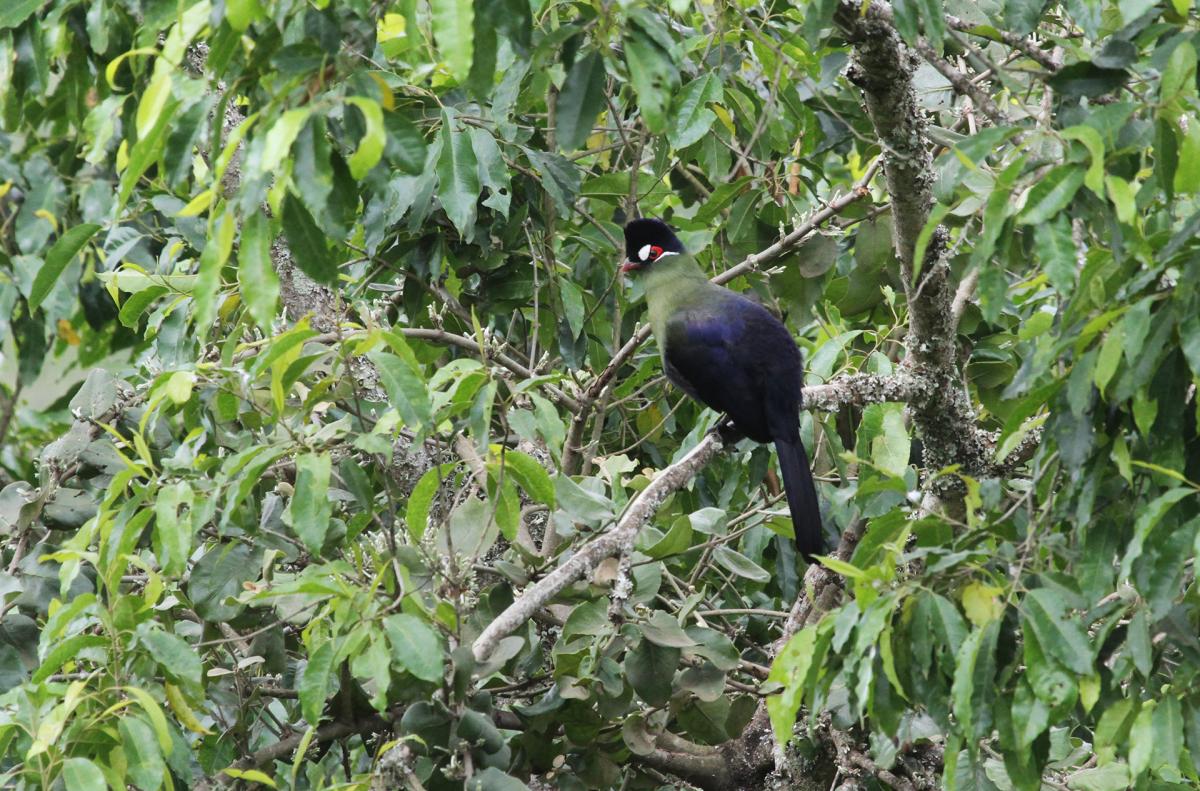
point(729, 353)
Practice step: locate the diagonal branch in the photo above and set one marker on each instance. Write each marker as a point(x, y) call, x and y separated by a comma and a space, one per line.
point(640, 511)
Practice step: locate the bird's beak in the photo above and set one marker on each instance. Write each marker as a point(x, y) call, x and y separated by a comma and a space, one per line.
point(630, 266)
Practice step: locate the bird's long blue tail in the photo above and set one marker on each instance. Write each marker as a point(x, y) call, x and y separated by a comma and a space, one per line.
point(801, 497)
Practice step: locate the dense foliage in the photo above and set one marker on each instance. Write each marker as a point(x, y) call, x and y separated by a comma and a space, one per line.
point(341, 278)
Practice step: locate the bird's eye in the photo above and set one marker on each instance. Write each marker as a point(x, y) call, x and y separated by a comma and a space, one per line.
point(655, 252)
point(644, 253)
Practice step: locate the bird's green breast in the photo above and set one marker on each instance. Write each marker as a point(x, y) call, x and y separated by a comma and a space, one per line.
point(673, 284)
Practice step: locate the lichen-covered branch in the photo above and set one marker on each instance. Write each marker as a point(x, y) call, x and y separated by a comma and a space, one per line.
point(862, 389)
point(641, 509)
point(882, 68)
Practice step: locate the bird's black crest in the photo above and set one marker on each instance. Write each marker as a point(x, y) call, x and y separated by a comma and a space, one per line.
point(650, 231)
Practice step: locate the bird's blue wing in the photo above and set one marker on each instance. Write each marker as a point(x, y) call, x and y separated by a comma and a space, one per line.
point(706, 356)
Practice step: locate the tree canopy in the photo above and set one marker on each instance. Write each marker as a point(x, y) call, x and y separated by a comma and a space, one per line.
point(334, 452)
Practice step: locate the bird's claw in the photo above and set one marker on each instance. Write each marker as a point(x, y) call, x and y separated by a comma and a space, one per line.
point(728, 431)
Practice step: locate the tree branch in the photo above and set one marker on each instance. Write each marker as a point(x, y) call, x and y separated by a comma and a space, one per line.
point(641, 509)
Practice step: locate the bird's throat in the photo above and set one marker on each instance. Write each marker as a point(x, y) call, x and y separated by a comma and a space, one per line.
point(671, 284)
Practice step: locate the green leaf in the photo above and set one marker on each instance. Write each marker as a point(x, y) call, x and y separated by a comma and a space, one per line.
point(421, 499)
point(57, 259)
point(531, 475)
point(654, 77)
point(219, 575)
point(677, 540)
point(663, 630)
point(145, 767)
point(650, 669)
point(1051, 194)
point(178, 387)
point(1061, 635)
point(406, 389)
point(795, 668)
point(454, 32)
point(1123, 196)
point(740, 565)
point(256, 272)
point(278, 142)
point(493, 170)
point(80, 774)
point(416, 648)
point(307, 243)
point(178, 659)
point(581, 100)
point(145, 152)
point(1094, 178)
point(1187, 176)
point(1110, 777)
point(14, 12)
point(1179, 77)
point(692, 118)
point(63, 652)
point(559, 177)
point(583, 505)
point(493, 779)
point(1141, 738)
point(1110, 356)
point(310, 503)
point(241, 13)
point(314, 682)
point(473, 529)
point(173, 533)
point(458, 176)
point(370, 148)
point(908, 19)
point(1167, 725)
point(406, 144)
point(934, 20)
point(1056, 253)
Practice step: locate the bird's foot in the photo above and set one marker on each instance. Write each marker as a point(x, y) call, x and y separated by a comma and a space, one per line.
point(729, 433)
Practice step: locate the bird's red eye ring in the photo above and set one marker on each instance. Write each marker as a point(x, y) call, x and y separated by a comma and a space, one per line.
point(655, 252)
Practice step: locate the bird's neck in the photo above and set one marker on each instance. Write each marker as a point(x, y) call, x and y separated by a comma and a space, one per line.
point(671, 283)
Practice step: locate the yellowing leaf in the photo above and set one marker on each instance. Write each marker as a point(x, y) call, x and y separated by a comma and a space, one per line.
point(981, 603)
point(370, 148)
point(67, 333)
point(197, 205)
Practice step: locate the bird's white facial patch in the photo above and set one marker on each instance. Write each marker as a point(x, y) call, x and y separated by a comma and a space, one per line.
point(644, 253)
